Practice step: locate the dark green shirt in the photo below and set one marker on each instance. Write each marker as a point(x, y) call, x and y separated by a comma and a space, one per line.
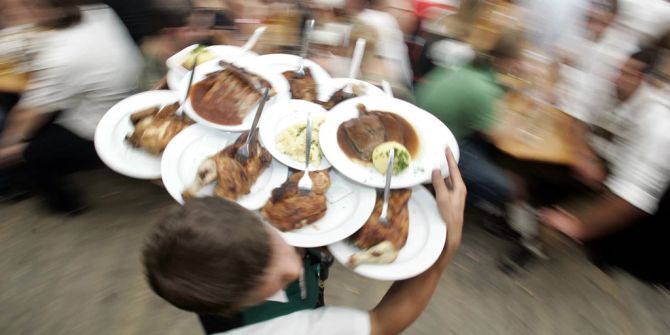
point(462, 99)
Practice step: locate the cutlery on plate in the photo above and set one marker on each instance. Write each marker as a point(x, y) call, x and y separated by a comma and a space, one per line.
point(355, 65)
point(383, 218)
point(309, 26)
point(387, 88)
point(305, 182)
point(243, 153)
point(180, 110)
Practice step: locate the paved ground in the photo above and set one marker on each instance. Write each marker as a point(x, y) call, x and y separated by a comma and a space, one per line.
point(83, 276)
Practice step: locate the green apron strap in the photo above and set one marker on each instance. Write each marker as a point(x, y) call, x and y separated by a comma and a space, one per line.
point(273, 309)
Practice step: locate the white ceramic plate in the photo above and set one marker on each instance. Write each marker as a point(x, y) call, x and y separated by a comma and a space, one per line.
point(349, 206)
point(425, 241)
point(115, 125)
point(280, 63)
point(192, 146)
point(279, 84)
point(281, 116)
point(176, 72)
point(338, 83)
point(433, 136)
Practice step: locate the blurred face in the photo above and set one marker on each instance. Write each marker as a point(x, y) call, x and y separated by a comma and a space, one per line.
point(629, 79)
point(598, 20)
point(285, 267)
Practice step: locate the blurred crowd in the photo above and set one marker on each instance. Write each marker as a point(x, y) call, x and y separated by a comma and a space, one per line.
point(606, 63)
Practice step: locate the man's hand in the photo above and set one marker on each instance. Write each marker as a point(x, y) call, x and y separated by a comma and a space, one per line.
point(590, 171)
point(450, 194)
point(564, 222)
point(406, 299)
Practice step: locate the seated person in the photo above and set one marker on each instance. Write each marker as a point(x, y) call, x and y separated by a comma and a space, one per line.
point(390, 39)
point(214, 257)
point(86, 63)
point(464, 100)
point(639, 171)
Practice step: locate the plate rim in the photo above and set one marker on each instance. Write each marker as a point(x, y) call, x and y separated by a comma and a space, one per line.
point(172, 75)
point(335, 83)
point(304, 241)
point(114, 116)
point(330, 148)
point(265, 131)
point(209, 67)
point(425, 258)
point(166, 161)
point(323, 93)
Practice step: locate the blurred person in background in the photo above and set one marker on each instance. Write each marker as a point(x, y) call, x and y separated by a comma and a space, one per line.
point(180, 27)
point(464, 99)
point(391, 43)
point(212, 256)
point(85, 63)
point(627, 222)
point(591, 60)
point(404, 13)
point(644, 20)
point(548, 21)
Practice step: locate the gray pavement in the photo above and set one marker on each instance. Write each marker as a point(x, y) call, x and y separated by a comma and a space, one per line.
point(82, 275)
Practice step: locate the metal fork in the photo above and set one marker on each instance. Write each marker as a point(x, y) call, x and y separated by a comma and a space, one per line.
point(383, 218)
point(305, 182)
point(243, 152)
point(309, 25)
point(180, 110)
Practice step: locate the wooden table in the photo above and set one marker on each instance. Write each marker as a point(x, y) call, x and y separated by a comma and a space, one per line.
point(532, 130)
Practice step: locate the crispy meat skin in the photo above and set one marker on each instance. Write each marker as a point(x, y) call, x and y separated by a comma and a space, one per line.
point(381, 243)
point(234, 178)
point(290, 209)
point(304, 88)
point(155, 127)
point(335, 99)
point(373, 232)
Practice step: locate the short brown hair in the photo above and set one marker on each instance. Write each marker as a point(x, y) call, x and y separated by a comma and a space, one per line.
point(207, 256)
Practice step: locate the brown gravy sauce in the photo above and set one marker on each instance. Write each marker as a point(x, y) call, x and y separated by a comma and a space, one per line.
point(215, 113)
point(411, 139)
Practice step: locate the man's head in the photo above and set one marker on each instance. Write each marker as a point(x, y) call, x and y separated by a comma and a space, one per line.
point(633, 71)
point(212, 256)
point(600, 16)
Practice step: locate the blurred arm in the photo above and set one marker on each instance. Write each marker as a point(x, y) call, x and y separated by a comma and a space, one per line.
point(406, 300)
point(21, 124)
point(607, 214)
